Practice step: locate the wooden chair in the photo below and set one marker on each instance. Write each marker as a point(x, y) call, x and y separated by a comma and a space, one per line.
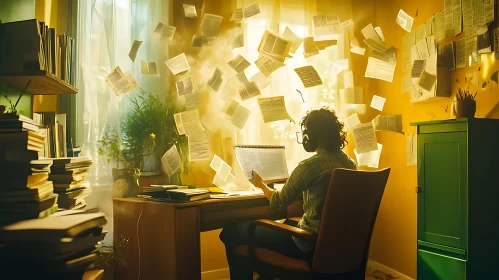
point(342, 245)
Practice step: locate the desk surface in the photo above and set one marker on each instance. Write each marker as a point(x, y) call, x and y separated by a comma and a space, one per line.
point(195, 203)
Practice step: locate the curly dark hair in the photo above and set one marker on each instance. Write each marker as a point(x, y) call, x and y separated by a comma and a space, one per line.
point(325, 129)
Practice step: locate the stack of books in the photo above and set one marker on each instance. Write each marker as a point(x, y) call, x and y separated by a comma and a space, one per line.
point(25, 191)
point(57, 247)
point(69, 176)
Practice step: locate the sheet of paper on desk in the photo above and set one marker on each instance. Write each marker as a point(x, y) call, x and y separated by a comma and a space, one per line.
point(185, 86)
point(309, 76)
point(178, 64)
point(188, 122)
point(249, 90)
point(190, 11)
point(364, 138)
point(239, 63)
point(274, 46)
point(237, 15)
point(369, 159)
point(221, 168)
point(198, 146)
point(296, 41)
point(148, 68)
point(216, 80)
point(251, 10)
point(171, 161)
point(326, 27)
point(381, 70)
point(378, 102)
point(388, 123)
point(404, 20)
point(133, 51)
point(273, 109)
point(210, 25)
point(267, 65)
point(270, 163)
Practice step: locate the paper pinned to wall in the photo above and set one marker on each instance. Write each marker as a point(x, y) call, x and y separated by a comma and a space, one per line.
point(296, 41)
point(457, 26)
point(221, 168)
point(417, 68)
point(190, 11)
point(352, 121)
point(198, 146)
point(440, 22)
point(427, 81)
point(379, 69)
point(188, 122)
point(249, 90)
point(178, 64)
point(309, 76)
point(267, 64)
point(461, 53)
point(388, 123)
point(404, 20)
point(378, 102)
point(185, 86)
point(412, 150)
point(449, 16)
point(364, 138)
point(273, 109)
point(237, 15)
point(274, 46)
point(251, 10)
point(239, 63)
point(446, 56)
point(326, 27)
point(408, 85)
point(133, 51)
point(148, 68)
point(210, 25)
point(216, 80)
point(484, 44)
point(121, 83)
point(369, 159)
point(171, 161)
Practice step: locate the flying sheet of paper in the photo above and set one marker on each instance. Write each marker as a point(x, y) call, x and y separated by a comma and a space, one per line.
point(417, 68)
point(210, 25)
point(412, 150)
point(190, 11)
point(178, 64)
point(249, 90)
point(370, 33)
point(238, 42)
point(404, 20)
point(165, 31)
point(260, 80)
point(185, 86)
point(378, 102)
point(148, 68)
point(237, 15)
point(192, 101)
point(364, 138)
point(188, 122)
point(379, 69)
point(376, 45)
point(309, 76)
point(380, 33)
point(274, 46)
point(369, 159)
point(121, 83)
point(132, 82)
point(427, 81)
point(221, 167)
point(171, 161)
point(241, 77)
point(352, 121)
point(240, 116)
point(357, 50)
point(216, 80)
point(407, 84)
point(388, 123)
point(268, 65)
point(273, 109)
point(309, 47)
point(296, 41)
point(199, 40)
point(133, 51)
point(239, 63)
point(352, 96)
point(461, 53)
point(198, 146)
point(326, 27)
point(344, 79)
point(251, 10)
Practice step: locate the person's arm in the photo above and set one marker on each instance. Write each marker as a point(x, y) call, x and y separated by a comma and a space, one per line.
point(257, 181)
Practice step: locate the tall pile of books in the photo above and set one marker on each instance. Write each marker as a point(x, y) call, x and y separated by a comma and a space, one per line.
point(57, 247)
point(25, 191)
point(69, 176)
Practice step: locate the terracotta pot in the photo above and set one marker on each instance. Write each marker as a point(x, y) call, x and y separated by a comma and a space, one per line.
point(125, 182)
point(465, 108)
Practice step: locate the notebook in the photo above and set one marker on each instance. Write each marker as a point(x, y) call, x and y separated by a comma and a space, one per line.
point(268, 161)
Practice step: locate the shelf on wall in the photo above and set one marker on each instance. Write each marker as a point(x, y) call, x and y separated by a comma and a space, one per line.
point(42, 83)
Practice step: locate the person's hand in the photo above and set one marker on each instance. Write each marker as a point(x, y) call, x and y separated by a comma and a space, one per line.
point(257, 180)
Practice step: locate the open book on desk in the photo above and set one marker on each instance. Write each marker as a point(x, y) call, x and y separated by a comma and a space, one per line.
point(237, 193)
point(268, 161)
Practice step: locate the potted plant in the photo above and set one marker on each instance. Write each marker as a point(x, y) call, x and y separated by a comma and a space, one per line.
point(464, 104)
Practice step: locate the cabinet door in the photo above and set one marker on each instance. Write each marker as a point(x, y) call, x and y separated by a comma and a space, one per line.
point(443, 184)
point(433, 266)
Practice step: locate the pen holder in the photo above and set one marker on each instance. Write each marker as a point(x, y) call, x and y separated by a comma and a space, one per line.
point(464, 108)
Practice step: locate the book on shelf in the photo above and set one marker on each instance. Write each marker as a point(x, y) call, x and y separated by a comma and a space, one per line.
point(54, 127)
point(30, 46)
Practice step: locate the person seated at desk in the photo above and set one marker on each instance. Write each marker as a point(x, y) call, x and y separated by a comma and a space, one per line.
point(323, 134)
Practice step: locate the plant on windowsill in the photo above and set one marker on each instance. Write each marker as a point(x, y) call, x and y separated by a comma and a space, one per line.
point(464, 104)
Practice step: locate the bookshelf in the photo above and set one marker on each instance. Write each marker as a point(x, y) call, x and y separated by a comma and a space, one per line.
point(42, 83)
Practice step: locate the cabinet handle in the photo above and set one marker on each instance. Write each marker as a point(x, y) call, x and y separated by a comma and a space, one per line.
point(417, 190)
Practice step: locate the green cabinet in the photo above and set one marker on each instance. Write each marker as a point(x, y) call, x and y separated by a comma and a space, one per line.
point(458, 199)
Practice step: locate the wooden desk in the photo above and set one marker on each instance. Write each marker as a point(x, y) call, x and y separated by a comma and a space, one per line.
point(168, 233)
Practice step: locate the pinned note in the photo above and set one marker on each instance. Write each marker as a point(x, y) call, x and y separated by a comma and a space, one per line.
point(133, 51)
point(273, 109)
point(178, 64)
point(190, 11)
point(239, 63)
point(427, 81)
point(148, 68)
point(369, 159)
point(185, 86)
point(417, 68)
point(404, 20)
point(378, 102)
point(309, 76)
point(171, 161)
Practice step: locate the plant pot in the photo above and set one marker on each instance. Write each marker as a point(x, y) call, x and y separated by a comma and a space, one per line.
point(126, 182)
point(465, 108)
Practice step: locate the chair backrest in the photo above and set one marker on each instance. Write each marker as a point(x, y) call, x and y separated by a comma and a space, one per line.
point(348, 220)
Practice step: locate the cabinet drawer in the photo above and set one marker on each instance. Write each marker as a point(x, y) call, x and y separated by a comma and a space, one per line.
point(433, 266)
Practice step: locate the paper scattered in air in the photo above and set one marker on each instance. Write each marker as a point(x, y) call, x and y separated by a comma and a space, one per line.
point(178, 64)
point(121, 83)
point(417, 68)
point(326, 27)
point(352, 95)
point(216, 80)
point(237, 15)
point(296, 41)
point(185, 86)
point(238, 114)
point(165, 31)
point(148, 68)
point(199, 40)
point(378, 102)
point(309, 76)
point(274, 46)
point(260, 80)
point(352, 121)
point(370, 33)
point(221, 168)
point(344, 79)
point(210, 25)
point(369, 159)
point(238, 42)
point(133, 51)
point(198, 146)
point(188, 122)
point(309, 47)
point(364, 138)
point(388, 123)
point(251, 10)
point(357, 50)
point(379, 69)
point(405, 21)
point(190, 11)
point(380, 33)
point(239, 63)
point(427, 81)
point(171, 161)
point(249, 90)
point(268, 65)
point(273, 109)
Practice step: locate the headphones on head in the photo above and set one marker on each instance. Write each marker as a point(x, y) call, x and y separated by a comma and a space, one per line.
point(309, 142)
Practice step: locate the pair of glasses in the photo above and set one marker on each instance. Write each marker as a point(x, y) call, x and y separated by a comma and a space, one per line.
point(299, 137)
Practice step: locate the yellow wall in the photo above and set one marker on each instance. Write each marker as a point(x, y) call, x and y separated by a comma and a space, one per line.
point(394, 238)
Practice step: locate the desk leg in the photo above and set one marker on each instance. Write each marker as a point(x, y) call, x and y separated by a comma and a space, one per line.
point(187, 243)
